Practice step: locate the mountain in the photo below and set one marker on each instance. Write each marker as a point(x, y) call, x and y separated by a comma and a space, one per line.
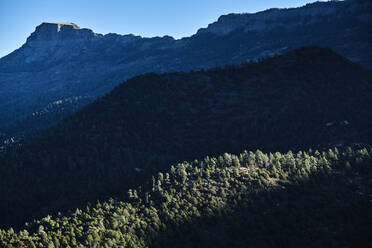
point(307, 98)
point(306, 199)
point(62, 61)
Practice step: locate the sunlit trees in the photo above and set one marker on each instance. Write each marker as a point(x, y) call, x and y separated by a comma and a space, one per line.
point(254, 202)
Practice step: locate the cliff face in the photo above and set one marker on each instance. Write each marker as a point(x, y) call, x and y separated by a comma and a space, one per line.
point(51, 42)
point(63, 61)
point(57, 31)
point(272, 18)
point(319, 12)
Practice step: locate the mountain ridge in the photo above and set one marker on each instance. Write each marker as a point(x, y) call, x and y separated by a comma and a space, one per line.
point(242, 19)
point(78, 63)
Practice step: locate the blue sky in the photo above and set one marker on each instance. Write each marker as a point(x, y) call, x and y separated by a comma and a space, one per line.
point(177, 18)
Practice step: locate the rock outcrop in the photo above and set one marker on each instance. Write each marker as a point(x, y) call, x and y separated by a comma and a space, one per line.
point(57, 32)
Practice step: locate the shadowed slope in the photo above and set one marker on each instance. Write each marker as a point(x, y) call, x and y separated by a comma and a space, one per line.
point(310, 97)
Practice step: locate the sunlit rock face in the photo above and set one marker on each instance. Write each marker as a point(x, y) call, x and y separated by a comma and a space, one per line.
point(50, 43)
point(57, 32)
point(63, 61)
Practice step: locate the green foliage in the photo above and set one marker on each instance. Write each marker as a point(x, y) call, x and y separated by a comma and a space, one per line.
point(311, 200)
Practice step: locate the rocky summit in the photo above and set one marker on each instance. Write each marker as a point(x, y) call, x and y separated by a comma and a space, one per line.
point(57, 31)
point(62, 61)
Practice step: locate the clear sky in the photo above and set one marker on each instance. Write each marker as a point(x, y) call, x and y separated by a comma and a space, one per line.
point(177, 18)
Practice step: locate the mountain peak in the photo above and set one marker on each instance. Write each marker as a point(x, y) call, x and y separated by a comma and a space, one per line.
point(61, 24)
point(59, 31)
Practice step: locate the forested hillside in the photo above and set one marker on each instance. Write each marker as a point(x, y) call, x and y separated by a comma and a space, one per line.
point(307, 98)
point(40, 120)
point(304, 199)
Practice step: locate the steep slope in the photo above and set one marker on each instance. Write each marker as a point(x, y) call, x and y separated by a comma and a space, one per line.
point(310, 97)
point(308, 199)
point(61, 61)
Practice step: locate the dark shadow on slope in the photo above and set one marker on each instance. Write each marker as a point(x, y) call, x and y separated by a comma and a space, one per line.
point(309, 98)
